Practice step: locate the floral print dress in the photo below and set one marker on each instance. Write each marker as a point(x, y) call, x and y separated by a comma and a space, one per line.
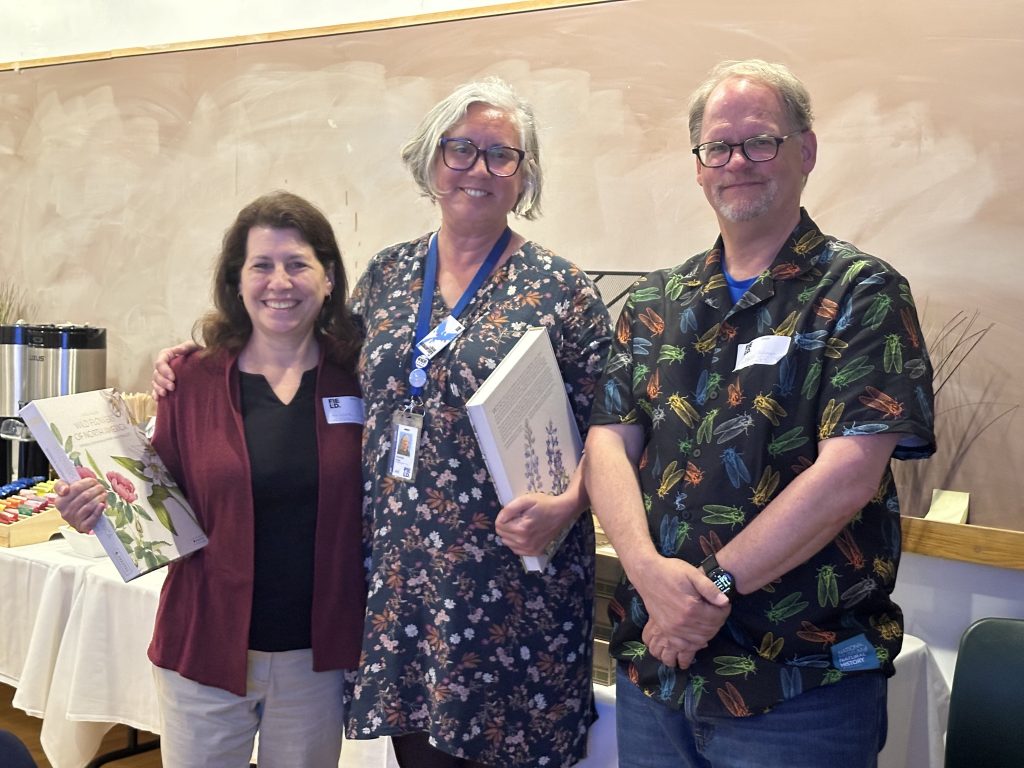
point(459, 640)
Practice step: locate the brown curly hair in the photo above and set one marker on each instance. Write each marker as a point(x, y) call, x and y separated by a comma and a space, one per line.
point(228, 327)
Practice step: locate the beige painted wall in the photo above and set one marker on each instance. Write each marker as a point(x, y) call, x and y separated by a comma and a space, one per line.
point(67, 27)
point(119, 177)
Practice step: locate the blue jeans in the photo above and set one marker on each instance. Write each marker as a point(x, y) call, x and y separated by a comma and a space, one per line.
point(835, 726)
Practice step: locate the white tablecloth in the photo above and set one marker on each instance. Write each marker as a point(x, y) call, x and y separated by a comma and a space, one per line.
point(918, 704)
point(73, 640)
point(38, 581)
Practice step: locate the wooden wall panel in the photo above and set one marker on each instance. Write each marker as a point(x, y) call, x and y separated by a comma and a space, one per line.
point(119, 176)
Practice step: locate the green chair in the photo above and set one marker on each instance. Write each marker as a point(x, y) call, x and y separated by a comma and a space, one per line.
point(986, 704)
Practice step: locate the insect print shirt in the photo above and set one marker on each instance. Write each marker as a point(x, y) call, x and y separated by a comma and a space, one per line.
point(722, 439)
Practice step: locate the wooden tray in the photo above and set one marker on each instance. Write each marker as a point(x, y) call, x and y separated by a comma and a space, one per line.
point(31, 530)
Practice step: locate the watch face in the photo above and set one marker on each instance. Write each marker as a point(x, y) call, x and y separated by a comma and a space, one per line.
point(722, 580)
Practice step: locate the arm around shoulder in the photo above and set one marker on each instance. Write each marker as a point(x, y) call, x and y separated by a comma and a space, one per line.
point(163, 374)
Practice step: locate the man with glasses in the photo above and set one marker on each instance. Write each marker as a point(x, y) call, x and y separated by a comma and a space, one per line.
point(738, 459)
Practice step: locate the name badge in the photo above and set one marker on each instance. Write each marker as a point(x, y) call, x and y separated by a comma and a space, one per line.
point(444, 334)
point(764, 350)
point(406, 428)
point(854, 654)
point(343, 410)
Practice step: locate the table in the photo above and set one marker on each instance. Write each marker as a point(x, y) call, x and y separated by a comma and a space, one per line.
point(100, 675)
point(62, 639)
point(918, 704)
point(37, 580)
point(73, 640)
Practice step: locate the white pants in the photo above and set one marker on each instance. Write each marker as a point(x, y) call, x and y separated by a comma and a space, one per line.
point(297, 711)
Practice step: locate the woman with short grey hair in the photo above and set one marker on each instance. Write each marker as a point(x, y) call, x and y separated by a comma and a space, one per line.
point(420, 152)
point(469, 660)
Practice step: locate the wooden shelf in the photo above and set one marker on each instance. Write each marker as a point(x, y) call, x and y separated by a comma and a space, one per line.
point(997, 547)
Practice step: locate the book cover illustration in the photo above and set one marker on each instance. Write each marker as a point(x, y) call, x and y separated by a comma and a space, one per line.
point(148, 522)
point(520, 410)
point(556, 479)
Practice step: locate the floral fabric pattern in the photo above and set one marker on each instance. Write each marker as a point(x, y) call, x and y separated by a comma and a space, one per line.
point(460, 641)
point(723, 439)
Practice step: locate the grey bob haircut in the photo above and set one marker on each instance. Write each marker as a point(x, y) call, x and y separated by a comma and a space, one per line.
point(420, 151)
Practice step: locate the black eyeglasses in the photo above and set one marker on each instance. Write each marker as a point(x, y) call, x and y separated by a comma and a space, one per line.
point(757, 149)
point(462, 154)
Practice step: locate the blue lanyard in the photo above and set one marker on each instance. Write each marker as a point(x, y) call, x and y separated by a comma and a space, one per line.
point(430, 284)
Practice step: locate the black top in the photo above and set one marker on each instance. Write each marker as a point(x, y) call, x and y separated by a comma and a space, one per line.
point(281, 440)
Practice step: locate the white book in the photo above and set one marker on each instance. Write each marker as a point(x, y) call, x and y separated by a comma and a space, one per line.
point(526, 428)
point(148, 522)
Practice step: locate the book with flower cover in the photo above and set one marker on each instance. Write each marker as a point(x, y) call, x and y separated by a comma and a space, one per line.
point(148, 522)
point(526, 428)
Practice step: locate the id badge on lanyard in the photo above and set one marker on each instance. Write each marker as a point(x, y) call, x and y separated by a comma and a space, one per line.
point(407, 422)
point(406, 428)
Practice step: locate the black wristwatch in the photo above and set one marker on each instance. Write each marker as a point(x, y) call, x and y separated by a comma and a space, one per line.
point(722, 578)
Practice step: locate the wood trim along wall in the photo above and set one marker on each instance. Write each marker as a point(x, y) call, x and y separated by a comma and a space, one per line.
point(502, 9)
point(997, 547)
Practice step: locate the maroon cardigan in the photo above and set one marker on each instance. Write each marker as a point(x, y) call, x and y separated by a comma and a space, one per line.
point(202, 625)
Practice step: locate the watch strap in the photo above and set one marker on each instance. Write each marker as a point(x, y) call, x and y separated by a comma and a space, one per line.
point(709, 563)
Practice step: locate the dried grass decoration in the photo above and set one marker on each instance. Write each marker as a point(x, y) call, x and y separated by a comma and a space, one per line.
point(14, 302)
point(961, 419)
point(141, 407)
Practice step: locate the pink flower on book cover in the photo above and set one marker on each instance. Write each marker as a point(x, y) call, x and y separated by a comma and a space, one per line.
point(125, 509)
point(122, 486)
point(85, 473)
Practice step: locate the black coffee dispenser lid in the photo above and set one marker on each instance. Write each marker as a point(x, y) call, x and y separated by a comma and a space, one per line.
point(82, 337)
point(13, 334)
point(44, 336)
point(65, 337)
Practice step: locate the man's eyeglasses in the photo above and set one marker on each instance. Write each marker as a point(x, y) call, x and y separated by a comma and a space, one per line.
point(462, 154)
point(757, 149)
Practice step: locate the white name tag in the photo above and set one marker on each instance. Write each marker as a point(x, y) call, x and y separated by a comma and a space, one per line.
point(764, 350)
point(343, 410)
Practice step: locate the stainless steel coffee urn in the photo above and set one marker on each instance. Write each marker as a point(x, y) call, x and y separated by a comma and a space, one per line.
point(12, 368)
point(38, 361)
point(64, 359)
point(12, 390)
